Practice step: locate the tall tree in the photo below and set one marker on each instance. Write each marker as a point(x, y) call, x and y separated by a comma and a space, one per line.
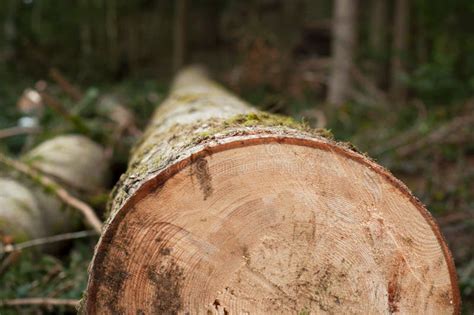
point(9, 28)
point(111, 30)
point(378, 37)
point(399, 48)
point(343, 42)
point(179, 34)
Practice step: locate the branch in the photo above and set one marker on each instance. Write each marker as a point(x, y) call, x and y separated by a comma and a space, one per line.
point(437, 135)
point(46, 240)
point(40, 301)
point(59, 108)
point(455, 217)
point(15, 131)
point(59, 191)
point(70, 89)
point(368, 85)
point(9, 260)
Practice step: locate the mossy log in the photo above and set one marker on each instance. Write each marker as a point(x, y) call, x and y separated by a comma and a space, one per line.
point(227, 210)
point(29, 210)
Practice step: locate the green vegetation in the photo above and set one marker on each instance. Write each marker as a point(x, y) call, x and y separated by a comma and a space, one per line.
point(272, 54)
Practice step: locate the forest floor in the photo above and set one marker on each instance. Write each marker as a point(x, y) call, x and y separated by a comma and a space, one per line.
point(431, 149)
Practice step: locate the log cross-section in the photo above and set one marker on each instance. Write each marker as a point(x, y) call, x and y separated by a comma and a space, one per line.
point(227, 210)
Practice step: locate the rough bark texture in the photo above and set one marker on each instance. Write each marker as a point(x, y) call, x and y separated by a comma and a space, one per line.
point(197, 113)
point(29, 210)
point(343, 42)
point(227, 210)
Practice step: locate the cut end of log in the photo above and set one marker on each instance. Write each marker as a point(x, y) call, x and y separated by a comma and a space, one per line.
point(272, 224)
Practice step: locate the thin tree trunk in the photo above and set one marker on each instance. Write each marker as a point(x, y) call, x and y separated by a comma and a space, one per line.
point(343, 42)
point(421, 35)
point(112, 33)
point(179, 40)
point(378, 37)
point(227, 210)
point(85, 31)
point(399, 49)
point(9, 28)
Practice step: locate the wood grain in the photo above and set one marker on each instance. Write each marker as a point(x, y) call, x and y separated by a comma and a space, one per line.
point(225, 210)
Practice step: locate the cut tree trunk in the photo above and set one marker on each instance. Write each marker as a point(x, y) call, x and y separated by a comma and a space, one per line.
point(227, 210)
point(29, 210)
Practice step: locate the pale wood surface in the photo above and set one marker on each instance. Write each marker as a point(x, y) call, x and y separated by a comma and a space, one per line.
point(276, 228)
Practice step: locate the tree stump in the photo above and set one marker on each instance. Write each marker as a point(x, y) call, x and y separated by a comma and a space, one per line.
point(227, 210)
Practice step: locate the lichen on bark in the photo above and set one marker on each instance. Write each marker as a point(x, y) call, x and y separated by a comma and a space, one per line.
point(191, 119)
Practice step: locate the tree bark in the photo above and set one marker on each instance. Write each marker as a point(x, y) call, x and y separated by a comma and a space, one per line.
point(399, 48)
point(29, 210)
point(228, 210)
point(343, 42)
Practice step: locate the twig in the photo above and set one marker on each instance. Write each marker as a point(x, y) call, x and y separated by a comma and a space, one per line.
point(410, 141)
point(58, 190)
point(61, 288)
point(47, 240)
point(70, 89)
point(40, 301)
point(9, 260)
point(15, 131)
point(59, 108)
point(36, 285)
point(398, 141)
point(55, 104)
point(437, 135)
point(368, 85)
point(455, 217)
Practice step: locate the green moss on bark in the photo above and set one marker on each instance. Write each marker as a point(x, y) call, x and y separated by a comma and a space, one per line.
point(158, 150)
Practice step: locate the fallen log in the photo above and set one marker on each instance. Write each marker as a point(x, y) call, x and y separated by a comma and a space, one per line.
point(74, 160)
point(227, 210)
point(19, 212)
point(28, 209)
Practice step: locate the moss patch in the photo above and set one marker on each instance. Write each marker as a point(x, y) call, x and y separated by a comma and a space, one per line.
point(157, 150)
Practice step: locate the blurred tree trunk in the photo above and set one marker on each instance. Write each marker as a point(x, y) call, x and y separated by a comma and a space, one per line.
point(36, 21)
point(85, 31)
point(343, 41)
point(399, 48)
point(421, 43)
point(112, 33)
point(378, 37)
point(9, 28)
point(179, 40)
